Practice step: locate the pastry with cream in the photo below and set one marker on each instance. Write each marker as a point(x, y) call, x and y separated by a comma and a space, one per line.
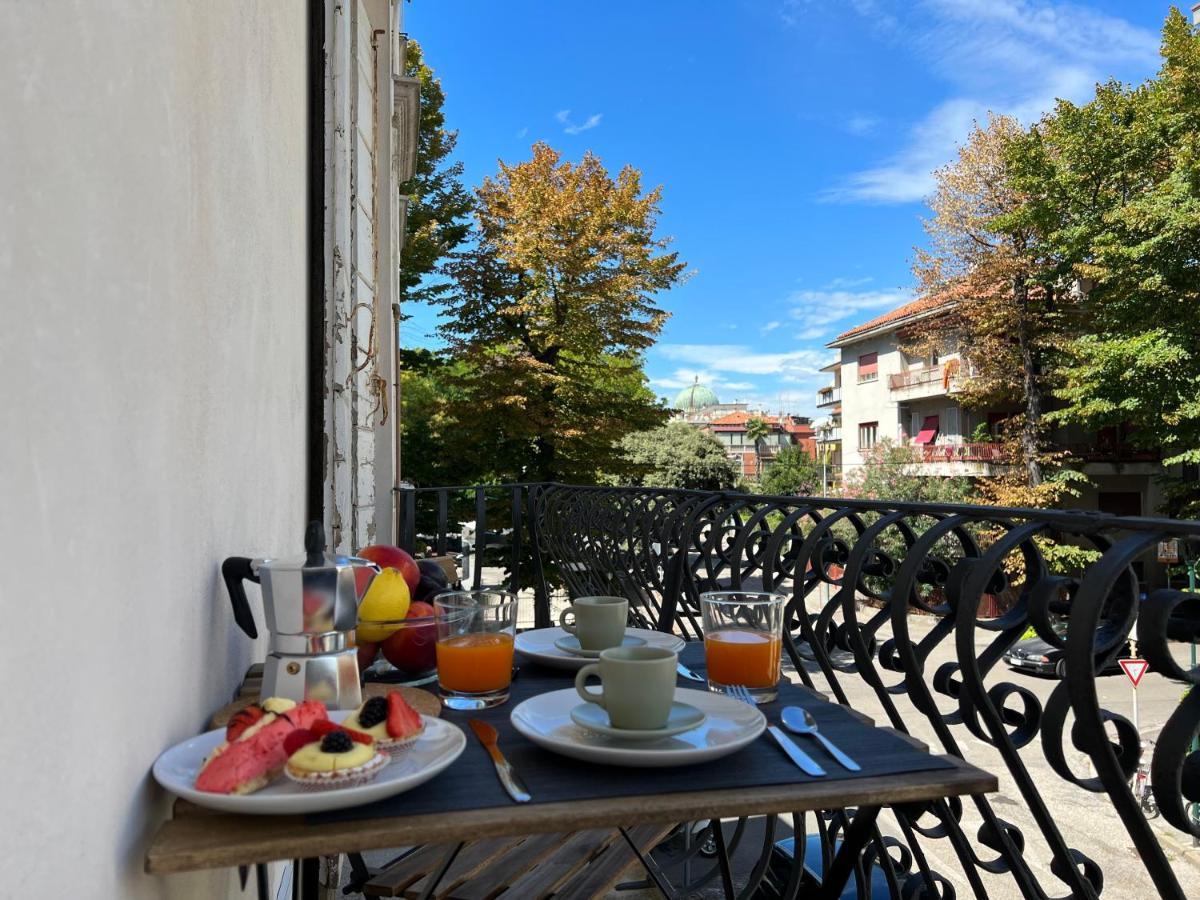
point(253, 753)
point(390, 720)
point(337, 758)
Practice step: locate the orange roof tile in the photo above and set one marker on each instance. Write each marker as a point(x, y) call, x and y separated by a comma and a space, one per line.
point(925, 304)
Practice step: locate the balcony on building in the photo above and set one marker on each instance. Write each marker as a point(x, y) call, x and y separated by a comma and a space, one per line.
point(926, 381)
point(829, 396)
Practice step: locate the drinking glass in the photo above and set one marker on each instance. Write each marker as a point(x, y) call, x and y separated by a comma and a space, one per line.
point(475, 647)
point(743, 640)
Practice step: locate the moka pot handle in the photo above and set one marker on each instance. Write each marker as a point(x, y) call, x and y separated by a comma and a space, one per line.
point(236, 570)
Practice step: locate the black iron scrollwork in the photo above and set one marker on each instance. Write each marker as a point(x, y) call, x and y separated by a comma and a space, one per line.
point(879, 593)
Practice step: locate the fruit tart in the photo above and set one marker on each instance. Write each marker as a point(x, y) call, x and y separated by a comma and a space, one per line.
point(253, 753)
point(329, 756)
point(390, 720)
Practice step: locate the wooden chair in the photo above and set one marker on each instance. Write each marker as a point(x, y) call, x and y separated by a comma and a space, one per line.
point(574, 866)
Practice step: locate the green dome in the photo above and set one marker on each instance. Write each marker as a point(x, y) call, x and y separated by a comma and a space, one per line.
point(695, 396)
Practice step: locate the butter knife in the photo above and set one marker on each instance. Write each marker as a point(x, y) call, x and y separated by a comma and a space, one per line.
point(488, 736)
point(798, 756)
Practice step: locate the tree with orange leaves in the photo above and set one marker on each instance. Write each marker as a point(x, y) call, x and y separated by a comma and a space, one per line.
point(1002, 311)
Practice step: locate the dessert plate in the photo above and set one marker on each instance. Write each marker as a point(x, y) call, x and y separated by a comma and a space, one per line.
point(438, 746)
point(538, 646)
point(682, 717)
point(570, 644)
point(728, 727)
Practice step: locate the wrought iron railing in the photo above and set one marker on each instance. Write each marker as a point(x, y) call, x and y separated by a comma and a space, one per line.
point(886, 603)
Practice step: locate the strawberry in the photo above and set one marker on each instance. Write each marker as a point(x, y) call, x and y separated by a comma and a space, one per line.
point(241, 720)
point(298, 738)
point(402, 721)
point(322, 727)
point(359, 737)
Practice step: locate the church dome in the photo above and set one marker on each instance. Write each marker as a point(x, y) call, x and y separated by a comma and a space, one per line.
point(695, 396)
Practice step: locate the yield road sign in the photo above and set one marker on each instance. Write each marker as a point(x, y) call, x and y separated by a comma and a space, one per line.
point(1134, 669)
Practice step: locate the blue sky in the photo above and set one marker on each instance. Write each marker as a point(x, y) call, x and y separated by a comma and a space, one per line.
point(794, 140)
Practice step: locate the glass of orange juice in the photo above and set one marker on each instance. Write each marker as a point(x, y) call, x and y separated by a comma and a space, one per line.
point(475, 631)
point(743, 640)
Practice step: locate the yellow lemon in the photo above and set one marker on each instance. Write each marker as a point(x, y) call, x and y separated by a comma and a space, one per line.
point(386, 600)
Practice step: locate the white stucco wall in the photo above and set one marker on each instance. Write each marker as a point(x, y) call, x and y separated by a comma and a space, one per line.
point(152, 277)
point(868, 401)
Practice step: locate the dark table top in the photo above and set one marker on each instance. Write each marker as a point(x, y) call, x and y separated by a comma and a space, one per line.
point(467, 800)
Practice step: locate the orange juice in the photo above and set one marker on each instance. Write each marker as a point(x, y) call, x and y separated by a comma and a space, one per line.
point(738, 656)
point(473, 663)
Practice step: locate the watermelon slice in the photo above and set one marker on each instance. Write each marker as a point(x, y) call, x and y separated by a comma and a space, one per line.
point(403, 721)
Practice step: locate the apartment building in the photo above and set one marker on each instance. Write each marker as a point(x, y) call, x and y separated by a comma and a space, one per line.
point(753, 457)
point(878, 391)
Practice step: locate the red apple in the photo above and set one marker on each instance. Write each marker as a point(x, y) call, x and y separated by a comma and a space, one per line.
point(388, 557)
point(366, 655)
point(412, 648)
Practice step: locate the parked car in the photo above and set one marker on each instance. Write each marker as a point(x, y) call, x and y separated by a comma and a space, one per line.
point(1037, 656)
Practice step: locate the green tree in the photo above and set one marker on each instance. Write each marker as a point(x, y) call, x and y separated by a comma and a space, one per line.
point(551, 309)
point(438, 205)
point(677, 455)
point(793, 471)
point(757, 430)
point(1114, 185)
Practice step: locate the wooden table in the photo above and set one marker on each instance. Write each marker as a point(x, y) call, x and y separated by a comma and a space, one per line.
point(200, 839)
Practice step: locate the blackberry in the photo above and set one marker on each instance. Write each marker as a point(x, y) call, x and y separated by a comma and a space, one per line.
point(337, 742)
point(373, 712)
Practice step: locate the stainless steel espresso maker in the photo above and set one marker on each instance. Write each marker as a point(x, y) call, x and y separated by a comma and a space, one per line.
point(311, 605)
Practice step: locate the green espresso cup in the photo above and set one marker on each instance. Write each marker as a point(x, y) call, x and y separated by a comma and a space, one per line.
point(638, 686)
point(599, 621)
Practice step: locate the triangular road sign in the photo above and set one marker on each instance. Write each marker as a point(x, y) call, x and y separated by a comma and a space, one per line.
point(1134, 669)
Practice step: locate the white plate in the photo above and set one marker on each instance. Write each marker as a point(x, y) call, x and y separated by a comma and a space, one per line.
point(437, 747)
point(730, 726)
point(681, 717)
point(570, 644)
point(538, 646)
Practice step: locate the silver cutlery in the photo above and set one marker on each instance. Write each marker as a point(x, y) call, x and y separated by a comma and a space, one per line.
point(488, 736)
point(798, 720)
point(798, 756)
point(688, 673)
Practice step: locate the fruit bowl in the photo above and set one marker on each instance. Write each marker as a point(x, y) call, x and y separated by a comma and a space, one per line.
point(406, 653)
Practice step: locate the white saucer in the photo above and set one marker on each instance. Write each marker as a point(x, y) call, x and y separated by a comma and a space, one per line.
point(538, 646)
point(570, 644)
point(729, 726)
point(437, 746)
point(682, 717)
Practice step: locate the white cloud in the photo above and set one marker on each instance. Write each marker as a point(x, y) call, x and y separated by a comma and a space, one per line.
point(769, 327)
point(1007, 56)
point(816, 311)
point(523, 132)
point(837, 284)
point(592, 122)
point(861, 125)
point(563, 117)
point(743, 360)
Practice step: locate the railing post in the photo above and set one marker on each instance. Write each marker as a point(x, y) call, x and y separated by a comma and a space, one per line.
point(443, 513)
point(480, 536)
point(408, 525)
point(541, 593)
point(517, 524)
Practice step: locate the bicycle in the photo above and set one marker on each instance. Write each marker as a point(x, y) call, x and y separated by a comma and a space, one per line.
point(1142, 790)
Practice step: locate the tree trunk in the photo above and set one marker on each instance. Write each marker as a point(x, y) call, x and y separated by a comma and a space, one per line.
point(545, 455)
point(1033, 398)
